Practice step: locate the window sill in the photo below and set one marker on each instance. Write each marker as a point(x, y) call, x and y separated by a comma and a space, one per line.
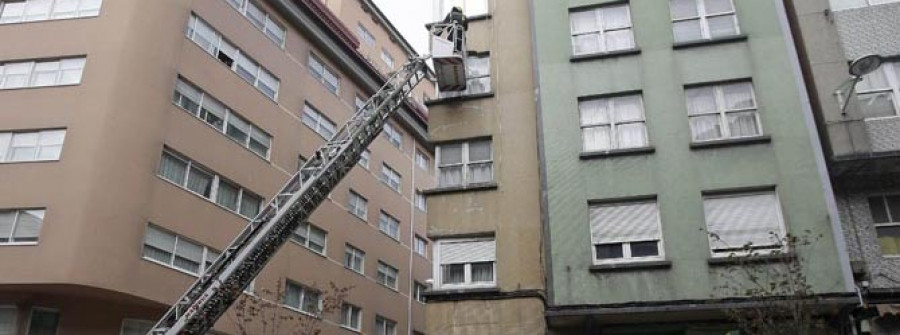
point(24, 88)
point(634, 266)
point(18, 244)
point(208, 200)
point(320, 254)
point(700, 43)
point(170, 267)
point(395, 239)
point(479, 17)
point(461, 98)
point(358, 331)
point(617, 152)
point(741, 260)
point(459, 189)
point(469, 292)
point(605, 55)
point(731, 142)
point(51, 19)
point(31, 161)
point(358, 217)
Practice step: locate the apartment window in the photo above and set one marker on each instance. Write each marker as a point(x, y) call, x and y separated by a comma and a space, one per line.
point(469, 7)
point(260, 19)
point(422, 160)
point(600, 30)
point(176, 251)
point(210, 110)
point(387, 275)
point(303, 298)
point(695, 20)
point(419, 291)
point(613, 123)
point(364, 34)
point(467, 163)
point(31, 146)
point(478, 76)
point(354, 258)
point(364, 158)
point(737, 220)
point(43, 321)
point(421, 203)
point(318, 122)
point(8, 316)
point(389, 225)
point(324, 74)
point(136, 327)
point(387, 59)
point(20, 226)
point(886, 217)
point(43, 73)
point(311, 237)
point(879, 92)
point(358, 205)
point(390, 177)
point(190, 176)
point(40, 10)
point(465, 263)
point(723, 112)
point(213, 43)
point(420, 246)
point(879, 2)
point(625, 232)
point(351, 317)
point(393, 135)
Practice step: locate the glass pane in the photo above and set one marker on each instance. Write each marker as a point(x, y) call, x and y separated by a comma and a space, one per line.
point(720, 26)
point(477, 66)
point(586, 44)
point(894, 206)
point(584, 21)
point(451, 154)
point(453, 273)
point(172, 168)
point(482, 272)
point(250, 205)
point(718, 6)
point(619, 40)
point(227, 195)
point(705, 128)
point(52, 137)
point(292, 295)
point(738, 96)
point(7, 218)
point(238, 129)
point(609, 251)
point(450, 176)
point(256, 15)
point(65, 9)
point(275, 31)
point(235, 3)
point(72, 70)
point(199, 181)
point(701, 100)
point(37, 9)
point(246, 68)
point(213, 112)
point(45, 74)
point(877, 104)
point(878, 210)
point(90, 7)
point(12, 12)
point(615, 17)
point(632, 135)
point(16, 74)
point(310, 302)
point(43, 322)
point(188, 256)
point(268, 84)
point(594, 111)
point(302, 233)
point(596, 138)
point(877, 80)
point(481, 173)
point(743, 124)
point(889, 239)
point(480, 151)
point(478, 85)
point(205, 36)
point(644, 249)
point(687, 31)
point(682, 9)
point(628, 108)
point(28, 226)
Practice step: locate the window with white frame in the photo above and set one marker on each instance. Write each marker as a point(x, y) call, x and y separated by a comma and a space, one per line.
point(420, 246)
point(210, 110)
point(16, 11)
point(735, 221)
point(311, 237)
point(358, 205)
point(351, 317)
point(469, 7)
point(465, 263)
point(466, 163)
point(134, 327)
point(190, 176)
point(324, 74)
point(723, 112)
point(421, 203)
point(364, 158)
point(613, 123)
point(302, 298)
point(879, 2)
point(387, 59)
point(419, 291)
point(393, 135)
point(43, 321)
point(260, 19)
point(211, 41)
point(879, 92)
point(41, 73)
point(695, 20)
point(318, 122)
point(422, 160)
point(365, 35)
point(389, 225)
point(478, 76)
point(387, 275)
point(20, 226)
point(625, 232)
point(384, 326)
point(354, 258)
point(390, 177)
point(885, 211)
point(31, 146)
point(8, 316)
point(600, 30)
point(177, 252)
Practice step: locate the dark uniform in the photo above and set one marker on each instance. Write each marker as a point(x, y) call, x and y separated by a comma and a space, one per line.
point(457, 18)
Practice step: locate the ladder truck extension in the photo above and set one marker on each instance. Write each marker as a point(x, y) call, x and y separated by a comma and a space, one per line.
point(213, 293)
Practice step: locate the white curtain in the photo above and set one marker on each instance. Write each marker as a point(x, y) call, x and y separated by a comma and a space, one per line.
point(615, 17)
point(718, 6)
point(453, 274)
point(688, 30)
point(38, 10)
point(227, 195)
point(725, 25)
point(632, 135)
point(682, 9)
point(584, 22)
point(738, 96)
point(594, 112)
point(188, 256)
point(481, 173)
point(705, 127)
point(250, 205)
point(628, 108)
point(450, 176)
point(172, 168)
point(482, 272)
point(199, 181)
point(596, 138)
point(742, 124)
point(586, 43)
point(159, 245)
point(701, 100)
point(12, 12)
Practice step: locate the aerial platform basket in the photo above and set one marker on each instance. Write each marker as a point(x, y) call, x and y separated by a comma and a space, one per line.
point(448, 52)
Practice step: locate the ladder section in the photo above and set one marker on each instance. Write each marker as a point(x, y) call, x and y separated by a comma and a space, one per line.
point(213, 293)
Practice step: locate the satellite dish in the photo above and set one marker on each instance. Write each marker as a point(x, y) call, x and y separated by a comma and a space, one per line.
point(865, 65)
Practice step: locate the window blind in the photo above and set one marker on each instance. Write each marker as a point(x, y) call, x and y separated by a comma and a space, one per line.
point(468, 252)
point(624, 222)
point(738, 220)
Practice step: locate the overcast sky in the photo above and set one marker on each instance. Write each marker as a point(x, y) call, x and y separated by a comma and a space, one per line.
point(410, 17)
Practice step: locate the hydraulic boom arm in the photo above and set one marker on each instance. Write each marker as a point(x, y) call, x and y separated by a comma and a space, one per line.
point(213, 293)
